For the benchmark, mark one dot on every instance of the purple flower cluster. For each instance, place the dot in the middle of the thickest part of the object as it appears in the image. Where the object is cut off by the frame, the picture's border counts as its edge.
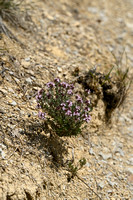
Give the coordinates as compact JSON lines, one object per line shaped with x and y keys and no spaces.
{"x":61,"y":86}
{"x":79,"y":112}
{"x":61,"y":107}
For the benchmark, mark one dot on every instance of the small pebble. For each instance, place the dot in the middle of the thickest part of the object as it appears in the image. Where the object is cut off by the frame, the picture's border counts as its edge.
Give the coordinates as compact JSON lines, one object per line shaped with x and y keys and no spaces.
{"x":59,"y":69}
{"x":2,"y":153}
{"x":13,"y":103}
{"x":88,"y":165}
{"x":29,"y":80}
{"x":101,"y":184}
{"x":119,"y":150}
{"x":11,"y":90}
{"x":91,"y":152}
{"x":105,"y":156}
{"x":129,"y":170}
{"x":111,"y":183}
{"x":131,"y":161}
{"x":93,"y":10}
{"x":27,"y":59}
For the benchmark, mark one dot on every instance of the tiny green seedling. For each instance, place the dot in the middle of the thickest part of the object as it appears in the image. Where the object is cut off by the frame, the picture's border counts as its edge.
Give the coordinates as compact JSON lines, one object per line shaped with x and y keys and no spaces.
{"x":73,"y":169}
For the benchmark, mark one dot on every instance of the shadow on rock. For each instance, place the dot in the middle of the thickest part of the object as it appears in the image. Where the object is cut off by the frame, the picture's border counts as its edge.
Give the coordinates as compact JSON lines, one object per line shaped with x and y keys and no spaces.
{"x":39,"y":136}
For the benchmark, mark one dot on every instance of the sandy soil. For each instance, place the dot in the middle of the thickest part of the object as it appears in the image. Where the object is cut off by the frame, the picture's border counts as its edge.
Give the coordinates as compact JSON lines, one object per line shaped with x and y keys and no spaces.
{"x":62,"y":36}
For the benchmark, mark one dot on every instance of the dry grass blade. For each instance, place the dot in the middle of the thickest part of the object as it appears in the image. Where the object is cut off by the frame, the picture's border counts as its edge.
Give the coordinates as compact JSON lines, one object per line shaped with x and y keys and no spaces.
{"x":88,"y":186}
{"x":122,"y":80}
{"x":6,"y":31}
{"x":10,"y":12}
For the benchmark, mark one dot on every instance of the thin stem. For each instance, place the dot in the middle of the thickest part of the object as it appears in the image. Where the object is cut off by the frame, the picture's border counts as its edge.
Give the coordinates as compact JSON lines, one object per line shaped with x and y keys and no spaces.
{"x":88,"y":186}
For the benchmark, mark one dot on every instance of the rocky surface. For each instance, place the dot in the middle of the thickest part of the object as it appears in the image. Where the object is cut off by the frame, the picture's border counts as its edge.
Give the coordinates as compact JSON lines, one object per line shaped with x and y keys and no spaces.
{"x":68,"y":34}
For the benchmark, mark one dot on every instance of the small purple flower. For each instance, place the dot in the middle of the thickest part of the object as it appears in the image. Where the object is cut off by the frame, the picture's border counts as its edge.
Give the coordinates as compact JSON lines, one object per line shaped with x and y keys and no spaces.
{"x":77,"y":108}
{"x":48,"y":95}
{"x":69,"y":103}
{"x":71,"y":86}
{"x":40,"y":91}
{"x":39,"y":96}
{"x":79,"y":99}
{"x":87,"y":102}
{"x":56,"y":80}
{"x":87,"y":109}
{"x":38,"y":106}
{"x":76,"y":114}
{"x":41,"y":115}
{"x":63,"y":104}
{"x":69,"y":113}
{"x":50,"y":85}
{"x":64,"y":84}
{"x":85,"y":115}
{"x":77,"y":96}
{"x":87,"y":118}
{"x":37,"y":99}
{"x":69,"y":92}
{"x":63,"y":108}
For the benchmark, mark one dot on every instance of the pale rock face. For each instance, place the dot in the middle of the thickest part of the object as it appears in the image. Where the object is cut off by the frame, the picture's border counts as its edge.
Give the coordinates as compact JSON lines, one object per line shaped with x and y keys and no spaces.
{"x":61,"y":36}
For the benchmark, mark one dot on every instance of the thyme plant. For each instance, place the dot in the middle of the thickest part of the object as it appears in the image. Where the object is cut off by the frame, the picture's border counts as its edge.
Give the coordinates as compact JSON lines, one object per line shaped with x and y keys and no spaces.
{"x":64,"y":111}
